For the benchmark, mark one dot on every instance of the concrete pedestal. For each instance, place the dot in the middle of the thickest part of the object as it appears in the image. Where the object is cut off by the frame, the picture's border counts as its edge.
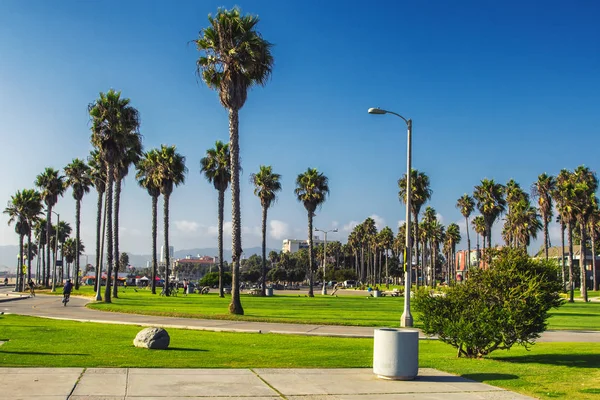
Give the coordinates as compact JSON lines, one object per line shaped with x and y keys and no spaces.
{"x":396,"y":354}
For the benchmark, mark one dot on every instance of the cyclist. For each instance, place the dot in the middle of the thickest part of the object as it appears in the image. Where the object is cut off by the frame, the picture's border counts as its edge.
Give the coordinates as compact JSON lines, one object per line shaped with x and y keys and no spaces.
{"x":31,"y":285}
{"x":67,"y":291}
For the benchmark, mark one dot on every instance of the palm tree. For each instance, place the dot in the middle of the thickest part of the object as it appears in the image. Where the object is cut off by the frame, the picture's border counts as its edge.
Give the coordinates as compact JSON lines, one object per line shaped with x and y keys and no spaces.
{"x":73,"y":249}
{"x":147,"y":168}
{"x":466,"y":205}
{"x":312,"y":188}
{"x":51,"y":185}
{"x":564,"y":195}
{"x":131,"y":155}
{"x":40,"y":234}
{"x":453,"y":236}
{"x":216,"y":168}
{"x":113,"y":118}
{"x":542,"y":190}
{"x":97,"y":174}
{"x":481,"y":230}
{"x":420,"y":193}
{"x":170,"y":172}
{"x":234,"y":58}
{"x":78,"y":178}
{"x":585,"y":186}
{"x":266,"y":185}
{"x":490,"y":203}
{"x":386,"y":240}
{"x":593,"y":229}
{"x":23,"y":209}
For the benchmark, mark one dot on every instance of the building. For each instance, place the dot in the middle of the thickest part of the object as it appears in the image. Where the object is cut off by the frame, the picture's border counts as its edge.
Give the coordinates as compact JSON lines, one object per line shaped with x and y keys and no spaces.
{"x":293,"y":245}
{"x":462,"y":265}
{"x":163,"y":255}
{"x":193,"y":268}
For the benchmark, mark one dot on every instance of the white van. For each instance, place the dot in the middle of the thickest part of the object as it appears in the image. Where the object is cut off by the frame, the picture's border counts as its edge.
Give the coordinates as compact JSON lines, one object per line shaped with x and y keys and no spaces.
{"x":349,"y":284}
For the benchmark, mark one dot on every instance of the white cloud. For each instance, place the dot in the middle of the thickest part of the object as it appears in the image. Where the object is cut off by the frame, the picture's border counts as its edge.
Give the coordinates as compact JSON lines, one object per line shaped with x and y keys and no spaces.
{"x":349,"y":226}
{"x":279,"y":229}
{"x":379,"y":221}
{"x":187,"y":226}
{"x":440,"y":218}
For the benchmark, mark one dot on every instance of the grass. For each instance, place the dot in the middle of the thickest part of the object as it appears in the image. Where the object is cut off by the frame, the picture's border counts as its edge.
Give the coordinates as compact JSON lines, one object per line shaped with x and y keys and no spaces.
{"x":294,"y":308}
{"x":549,"y":370}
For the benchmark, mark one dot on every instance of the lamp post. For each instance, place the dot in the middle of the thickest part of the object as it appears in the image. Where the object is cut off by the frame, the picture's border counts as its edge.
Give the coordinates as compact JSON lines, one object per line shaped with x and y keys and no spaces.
{"x":406,"y":320}
{"x":324,"y":291}
{"x":55,"y":251}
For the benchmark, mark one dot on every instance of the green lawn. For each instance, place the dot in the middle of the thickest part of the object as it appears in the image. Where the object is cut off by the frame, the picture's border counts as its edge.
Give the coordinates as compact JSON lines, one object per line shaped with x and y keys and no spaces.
{"x":294,"y":308}
{"x":549,"y":370}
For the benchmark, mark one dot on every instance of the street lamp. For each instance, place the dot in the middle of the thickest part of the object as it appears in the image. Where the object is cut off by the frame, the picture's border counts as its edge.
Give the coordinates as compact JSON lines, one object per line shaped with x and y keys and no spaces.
{"x":55,"y":251}
{"x":324,"y":291}
{"x":406,"y":320}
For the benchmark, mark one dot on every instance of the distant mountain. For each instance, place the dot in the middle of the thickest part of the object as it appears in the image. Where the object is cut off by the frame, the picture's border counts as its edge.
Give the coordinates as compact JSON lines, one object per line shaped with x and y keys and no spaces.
{"x":8,"y":255}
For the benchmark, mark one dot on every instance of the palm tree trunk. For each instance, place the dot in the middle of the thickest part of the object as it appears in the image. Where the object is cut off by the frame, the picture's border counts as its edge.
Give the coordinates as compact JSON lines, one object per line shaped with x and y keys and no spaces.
{"x":19,"y":274}
{"x":154,"y":260}
{"x":546,"y":236}
{"x":220,"y":240}
{"x":103,"y":236}
{"x":570,"y":240}
{"x":264,"y":252}
{"x":29,"y":255}
{"x":583,"y":272}
{"x":310,"y":254}
{"x":48,"y":227}
{"x":109,"y":232}
{"x":363,"y":272}
{"x":77,"y":223}
{"x":593,"y":235}
{"x":117,"y":198}
{"x":562,"y":251}
{"x":166,"y":197}
{"x":38,"y":261}
{"x":416,"y":241}
{"x":98,"y":238}
{"x":468,"y":245}
{"x":235,"y":307}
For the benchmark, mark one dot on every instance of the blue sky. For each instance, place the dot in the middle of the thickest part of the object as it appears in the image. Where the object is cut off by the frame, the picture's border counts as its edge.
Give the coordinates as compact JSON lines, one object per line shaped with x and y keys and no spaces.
{"x":495,"y":89}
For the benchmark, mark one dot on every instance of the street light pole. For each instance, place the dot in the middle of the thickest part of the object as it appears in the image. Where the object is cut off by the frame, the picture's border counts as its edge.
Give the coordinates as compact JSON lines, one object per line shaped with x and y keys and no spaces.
{"x":55,"y":251}
{"x":324,"y":290}
{"x":406,"y":320}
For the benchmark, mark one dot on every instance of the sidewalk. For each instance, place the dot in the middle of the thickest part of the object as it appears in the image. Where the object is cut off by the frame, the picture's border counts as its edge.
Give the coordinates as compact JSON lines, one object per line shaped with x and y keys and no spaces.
{"x":245,"y":384}
{"x":50,"y":307}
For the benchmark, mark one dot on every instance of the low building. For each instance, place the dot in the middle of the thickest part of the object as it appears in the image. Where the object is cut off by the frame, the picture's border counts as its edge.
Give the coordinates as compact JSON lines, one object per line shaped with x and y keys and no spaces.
{"x":193,"y":268}
{"x":293,"y":245}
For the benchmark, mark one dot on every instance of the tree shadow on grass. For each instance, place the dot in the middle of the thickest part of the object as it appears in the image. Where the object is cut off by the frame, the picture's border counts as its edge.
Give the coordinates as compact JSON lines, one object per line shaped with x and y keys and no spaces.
{"x":566,"y":360}
{"x":36,"y":353}
{"x":483,"y":377}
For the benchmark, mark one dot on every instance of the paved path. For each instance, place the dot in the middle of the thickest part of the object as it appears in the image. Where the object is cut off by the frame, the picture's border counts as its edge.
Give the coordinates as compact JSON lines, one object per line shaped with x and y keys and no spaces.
{"x":51,"y":307}
{"x":244,"y":384}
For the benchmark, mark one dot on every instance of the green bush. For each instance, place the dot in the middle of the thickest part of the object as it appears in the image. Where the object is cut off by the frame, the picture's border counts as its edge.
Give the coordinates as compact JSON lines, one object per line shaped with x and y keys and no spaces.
{"x":495,"y":308}
{"x":212,"y":279}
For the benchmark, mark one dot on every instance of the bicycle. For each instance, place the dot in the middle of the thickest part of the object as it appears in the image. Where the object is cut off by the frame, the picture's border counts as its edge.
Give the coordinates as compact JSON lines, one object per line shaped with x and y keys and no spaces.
{"x":65,"y":299}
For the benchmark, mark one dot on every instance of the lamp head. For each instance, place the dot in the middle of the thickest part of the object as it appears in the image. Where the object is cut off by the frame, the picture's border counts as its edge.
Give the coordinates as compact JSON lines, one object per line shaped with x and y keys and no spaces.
{"x":377,"y":111}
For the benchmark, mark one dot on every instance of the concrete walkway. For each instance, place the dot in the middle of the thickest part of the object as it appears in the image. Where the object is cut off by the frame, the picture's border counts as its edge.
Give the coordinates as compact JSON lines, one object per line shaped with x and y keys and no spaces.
{"x":245,"y":384}
{"x":51,"y":307}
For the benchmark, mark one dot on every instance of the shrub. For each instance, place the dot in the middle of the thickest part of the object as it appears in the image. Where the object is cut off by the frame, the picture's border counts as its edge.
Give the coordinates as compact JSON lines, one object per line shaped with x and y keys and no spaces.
{"x":495,"y":308}
{"x":212,"y":279}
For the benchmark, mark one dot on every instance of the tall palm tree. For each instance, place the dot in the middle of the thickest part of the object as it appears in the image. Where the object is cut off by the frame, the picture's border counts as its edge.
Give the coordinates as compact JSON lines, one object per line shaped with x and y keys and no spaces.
{"x":113,"y":118}
{"x":564,"y":195}
{"x":585,"y":186}
{"x":420,"y":193}
{"x":481,"y":230}
{"x":40,"y":235}
{"x":266,"y":185}
{"x":594,"y":229}
{"x":437,"y":236}
{"x":216,"y":167}
{"x":466,"y":205}
{"x":453,"y":237}
{"x":170,"y":173}
{"x":234,"y":57}
{"x":79,"y":179}
{"x":542,"y":191}
{"x":51,"y":185}
{"x":97,"y":174}
{"x":386,"y":239}
{"x":131,"y":155}
{"x":147,"y":169}
{"x":23,"y":209}
{"x":312,"y":188}
{"x":490,"y":203}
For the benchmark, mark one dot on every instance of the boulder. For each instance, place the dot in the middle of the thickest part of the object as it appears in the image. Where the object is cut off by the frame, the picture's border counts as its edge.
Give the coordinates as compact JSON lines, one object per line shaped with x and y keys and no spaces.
{"x":152,"y":338}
